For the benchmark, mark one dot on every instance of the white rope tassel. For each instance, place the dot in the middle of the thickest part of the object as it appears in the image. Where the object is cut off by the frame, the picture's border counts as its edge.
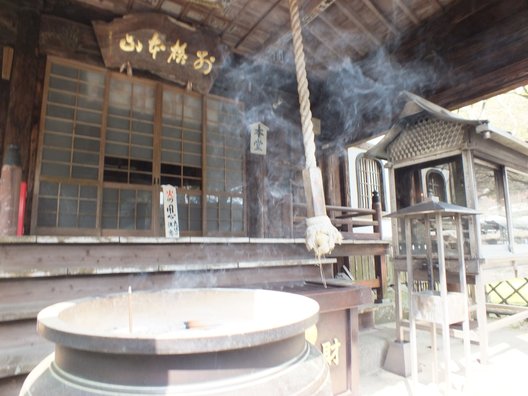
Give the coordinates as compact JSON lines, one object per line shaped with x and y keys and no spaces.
{"x":321,"y":235}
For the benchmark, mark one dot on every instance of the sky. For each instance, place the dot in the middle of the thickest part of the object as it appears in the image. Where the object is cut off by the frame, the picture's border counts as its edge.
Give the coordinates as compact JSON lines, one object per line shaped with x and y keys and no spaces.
{"x":508,"y":111}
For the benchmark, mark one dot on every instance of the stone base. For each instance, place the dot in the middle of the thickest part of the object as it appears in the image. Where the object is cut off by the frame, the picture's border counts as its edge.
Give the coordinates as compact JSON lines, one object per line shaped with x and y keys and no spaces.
{"x":398,"y":359}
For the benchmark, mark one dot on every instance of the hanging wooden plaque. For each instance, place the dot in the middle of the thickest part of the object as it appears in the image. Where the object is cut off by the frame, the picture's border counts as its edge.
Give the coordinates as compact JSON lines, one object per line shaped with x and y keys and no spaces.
{"x":162,"y":45}
{"x":170,"y":211}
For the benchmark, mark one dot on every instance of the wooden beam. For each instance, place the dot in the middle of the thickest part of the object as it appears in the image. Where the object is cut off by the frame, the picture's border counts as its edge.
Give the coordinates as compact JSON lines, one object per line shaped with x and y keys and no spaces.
{"x":372,"y":7}
{"x":458,"y":23}
{"x":478,"y":49}
{"x":508,"y":321}
{"x":487,"y":63}
{"x":483,"y":86}
{"x":371,"y":283}
{"x":309,"y":12}
{"x":330,"y":49}
{"x":233,"y":21}
{"x":407,"y":11}
{"x":313,"y":8}
{"x":68,"y":39}
{"x":257,"y":23}
{"x":332,"y":27}
{"x":361,"y":248}
{"x":358,"y":23}
{"x":437,"y":4}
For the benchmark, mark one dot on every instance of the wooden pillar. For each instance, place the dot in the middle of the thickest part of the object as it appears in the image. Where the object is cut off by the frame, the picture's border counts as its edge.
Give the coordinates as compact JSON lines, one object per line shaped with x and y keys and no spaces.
{"x":4,"y":101}
{"x":332,"y":182}
{"x":345,"y":178}
{"x":482,"y":318}
{"x":380,"y":262}
{"x":10,"y":179}
{"x":22,"y":86}
{"x":412,"y":309}
{"x":256,"y":195}
{"x":354,"y":351}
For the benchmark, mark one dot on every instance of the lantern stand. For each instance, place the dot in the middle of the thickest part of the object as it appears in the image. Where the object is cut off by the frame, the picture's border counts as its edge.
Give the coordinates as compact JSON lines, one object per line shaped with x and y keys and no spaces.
{"x":433,"y":307}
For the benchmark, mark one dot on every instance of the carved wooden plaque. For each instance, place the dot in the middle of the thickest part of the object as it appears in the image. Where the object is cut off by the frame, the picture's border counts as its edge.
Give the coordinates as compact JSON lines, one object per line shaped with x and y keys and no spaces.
{"x":162,"y":45}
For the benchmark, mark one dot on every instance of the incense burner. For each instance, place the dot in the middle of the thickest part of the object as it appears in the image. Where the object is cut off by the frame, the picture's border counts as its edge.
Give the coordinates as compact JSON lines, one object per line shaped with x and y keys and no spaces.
{"x":181,"y":341}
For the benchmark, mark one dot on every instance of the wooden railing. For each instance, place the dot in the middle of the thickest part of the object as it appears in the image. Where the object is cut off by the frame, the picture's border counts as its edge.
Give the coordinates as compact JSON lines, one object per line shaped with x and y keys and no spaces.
{"x":346,"y":219}
{"x":355,"y":224}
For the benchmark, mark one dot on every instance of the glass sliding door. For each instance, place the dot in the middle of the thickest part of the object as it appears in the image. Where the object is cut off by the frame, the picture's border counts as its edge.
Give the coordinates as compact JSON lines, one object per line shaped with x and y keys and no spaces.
{"x":181,"y":155}
{"x":518,"y":190}
{"x":128,"y":157}
{"x":225,"y":169}
{"x":490,"y":192}
{"x":108,"y":142}
{"x":67,"y":168}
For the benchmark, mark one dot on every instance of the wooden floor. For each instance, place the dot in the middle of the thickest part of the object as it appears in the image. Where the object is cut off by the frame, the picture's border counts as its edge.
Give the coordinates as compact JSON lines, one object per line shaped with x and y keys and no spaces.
{"x":38,"y":271}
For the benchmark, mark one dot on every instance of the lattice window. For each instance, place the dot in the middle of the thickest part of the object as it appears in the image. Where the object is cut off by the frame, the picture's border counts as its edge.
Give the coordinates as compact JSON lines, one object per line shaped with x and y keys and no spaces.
{"x":129,"y":132}
{"x":369,"y":179}
{"x":225,"y":167}
{"x":127,"y":209}
{"x":190,"y":210}
{"x":518,"y":192}
{"x":511,"y":292}
{"x":70,"y":148}
{"x":490,"y":193}
{"x":108,"y":142}
{"x":426,"y":136}
{"x":181,"y":140}
{"x":67,"y":205}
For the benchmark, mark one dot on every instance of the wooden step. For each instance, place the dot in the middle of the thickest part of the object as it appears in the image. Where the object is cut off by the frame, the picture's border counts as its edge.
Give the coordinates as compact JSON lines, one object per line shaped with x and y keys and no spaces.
{"x":11,"y":386}
{"x":21,"y":311}
{"x":21,"y":348}
{"x":21,"y":360}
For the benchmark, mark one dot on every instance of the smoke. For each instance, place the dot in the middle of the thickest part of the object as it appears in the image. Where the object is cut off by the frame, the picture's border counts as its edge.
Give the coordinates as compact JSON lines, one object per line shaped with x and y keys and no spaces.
{"x":360,"y":100}
{"x":269,"y":95}
{"x":353,"y":100}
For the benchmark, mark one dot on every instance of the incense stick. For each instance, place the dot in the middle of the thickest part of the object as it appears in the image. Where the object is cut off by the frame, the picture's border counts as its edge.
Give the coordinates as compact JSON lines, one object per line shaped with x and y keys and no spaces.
{"x":130,"y":309}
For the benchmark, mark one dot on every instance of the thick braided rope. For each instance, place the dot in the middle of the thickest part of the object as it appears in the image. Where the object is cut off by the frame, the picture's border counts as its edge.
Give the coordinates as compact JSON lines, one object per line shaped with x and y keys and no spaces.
{"x":302,"y":87}
{"x":321,"y":235}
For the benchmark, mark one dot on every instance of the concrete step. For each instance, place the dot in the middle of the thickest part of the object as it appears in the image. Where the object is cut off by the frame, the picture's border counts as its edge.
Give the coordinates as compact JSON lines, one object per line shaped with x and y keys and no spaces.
{"x":373,"y":346}
{"x":374,"y":340}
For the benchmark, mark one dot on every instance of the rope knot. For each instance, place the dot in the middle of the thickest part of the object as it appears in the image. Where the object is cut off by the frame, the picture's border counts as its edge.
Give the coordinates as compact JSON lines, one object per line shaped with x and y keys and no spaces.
{"x":321,"y":235}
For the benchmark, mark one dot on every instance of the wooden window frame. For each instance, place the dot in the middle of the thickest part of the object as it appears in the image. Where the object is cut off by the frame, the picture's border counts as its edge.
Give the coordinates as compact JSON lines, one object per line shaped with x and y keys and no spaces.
{"x":155,"y":186}
{"x":501,"y":184}
{"x":361,"y":175}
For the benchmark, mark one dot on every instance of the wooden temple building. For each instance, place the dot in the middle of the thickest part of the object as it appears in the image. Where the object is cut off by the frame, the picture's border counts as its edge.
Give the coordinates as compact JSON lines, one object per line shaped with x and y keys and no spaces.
{"x":113,"y":111}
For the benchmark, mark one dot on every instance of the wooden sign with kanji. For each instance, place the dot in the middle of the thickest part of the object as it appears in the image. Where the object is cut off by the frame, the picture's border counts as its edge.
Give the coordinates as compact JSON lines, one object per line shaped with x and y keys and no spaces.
{"x":162,"y":45}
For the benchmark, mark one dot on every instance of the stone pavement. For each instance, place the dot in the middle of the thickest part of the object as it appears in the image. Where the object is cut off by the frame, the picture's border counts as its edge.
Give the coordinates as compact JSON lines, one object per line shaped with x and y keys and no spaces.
{"x":505,"y":374}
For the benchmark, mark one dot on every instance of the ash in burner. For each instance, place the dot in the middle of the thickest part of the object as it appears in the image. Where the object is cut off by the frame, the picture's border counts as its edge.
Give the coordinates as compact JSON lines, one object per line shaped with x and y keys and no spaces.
{"x":196,"y":324}
{"x":174,"y":329}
